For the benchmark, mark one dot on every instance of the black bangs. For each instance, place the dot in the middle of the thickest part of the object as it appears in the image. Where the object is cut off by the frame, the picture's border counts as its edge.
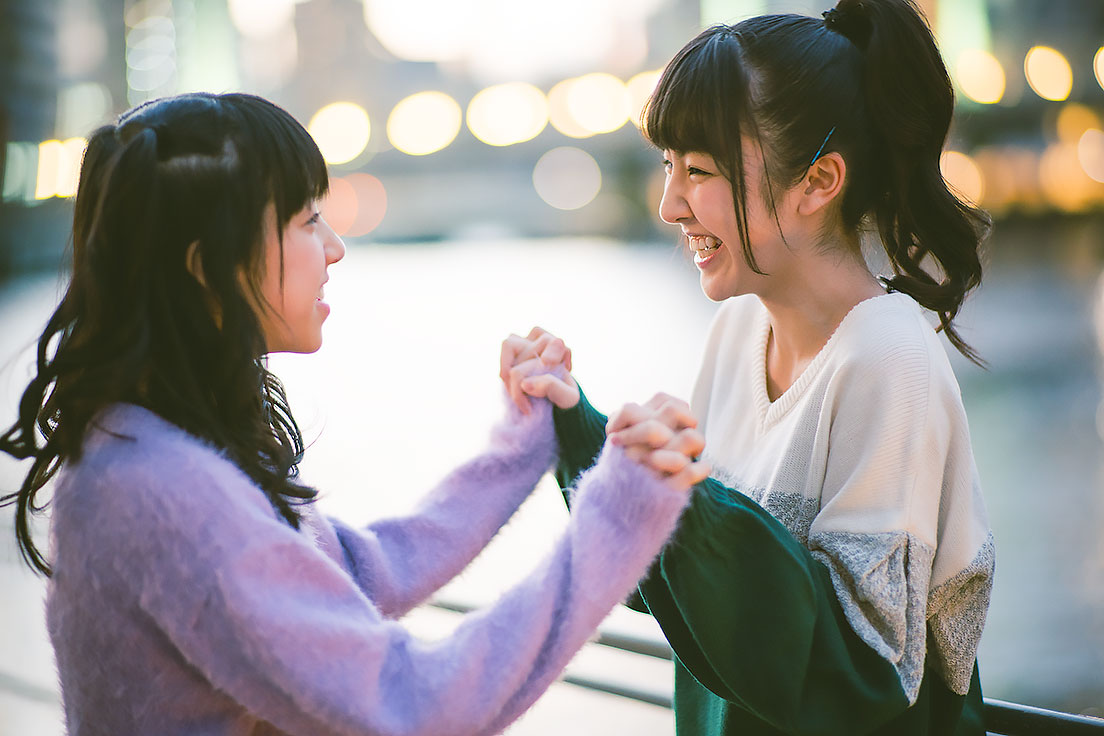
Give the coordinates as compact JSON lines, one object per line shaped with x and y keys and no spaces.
{"x":702,"y":99}
{"x":292,"y":166}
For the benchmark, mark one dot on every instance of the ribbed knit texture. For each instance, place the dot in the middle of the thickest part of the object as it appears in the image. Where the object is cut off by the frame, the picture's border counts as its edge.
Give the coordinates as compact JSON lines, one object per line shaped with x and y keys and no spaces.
{"x":181,"y":604}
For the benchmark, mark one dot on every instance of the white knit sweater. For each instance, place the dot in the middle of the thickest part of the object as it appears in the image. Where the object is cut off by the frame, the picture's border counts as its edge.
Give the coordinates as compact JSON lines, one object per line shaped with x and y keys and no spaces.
{"x":866,"y":458}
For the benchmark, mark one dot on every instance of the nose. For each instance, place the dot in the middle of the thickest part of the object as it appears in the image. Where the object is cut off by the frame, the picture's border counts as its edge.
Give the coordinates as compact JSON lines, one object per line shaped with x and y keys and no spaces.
{"x":334,"y":248}
{"x":673,"y":208}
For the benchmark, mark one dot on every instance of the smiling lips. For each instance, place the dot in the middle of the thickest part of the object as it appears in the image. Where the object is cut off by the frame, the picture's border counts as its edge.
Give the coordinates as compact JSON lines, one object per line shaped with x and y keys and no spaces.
{"x":704,"y":246}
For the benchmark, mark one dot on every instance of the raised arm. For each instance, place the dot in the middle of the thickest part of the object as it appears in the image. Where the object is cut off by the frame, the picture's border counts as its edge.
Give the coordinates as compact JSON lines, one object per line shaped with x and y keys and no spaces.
{"x":399,"y":562}
{"x":271,"y":621}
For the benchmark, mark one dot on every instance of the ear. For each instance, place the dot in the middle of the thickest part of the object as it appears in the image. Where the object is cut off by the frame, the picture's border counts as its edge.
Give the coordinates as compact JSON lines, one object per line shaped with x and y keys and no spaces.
{"x":823,"y":182}
{"x":194,"y":263}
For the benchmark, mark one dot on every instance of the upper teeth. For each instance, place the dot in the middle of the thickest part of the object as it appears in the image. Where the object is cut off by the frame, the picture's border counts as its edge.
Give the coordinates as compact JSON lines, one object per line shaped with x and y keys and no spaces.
{"x":703,"y":243}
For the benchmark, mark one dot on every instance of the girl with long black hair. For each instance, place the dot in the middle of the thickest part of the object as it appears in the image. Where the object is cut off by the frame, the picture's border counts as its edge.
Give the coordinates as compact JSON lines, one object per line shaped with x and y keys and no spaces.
{"x":194,"y":587}
{"x":833,"y":576}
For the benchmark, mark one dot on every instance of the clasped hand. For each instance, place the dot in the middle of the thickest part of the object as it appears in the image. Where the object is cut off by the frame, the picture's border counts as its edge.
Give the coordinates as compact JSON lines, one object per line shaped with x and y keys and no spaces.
{"x":661,"y":434}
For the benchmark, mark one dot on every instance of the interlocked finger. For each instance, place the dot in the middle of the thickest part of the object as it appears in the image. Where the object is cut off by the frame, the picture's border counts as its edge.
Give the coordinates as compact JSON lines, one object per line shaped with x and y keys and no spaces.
{"x":650,"y":433}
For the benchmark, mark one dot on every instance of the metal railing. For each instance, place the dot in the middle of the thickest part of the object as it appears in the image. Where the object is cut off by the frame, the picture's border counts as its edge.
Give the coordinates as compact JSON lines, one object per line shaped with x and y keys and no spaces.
{"x":1001,"y":718}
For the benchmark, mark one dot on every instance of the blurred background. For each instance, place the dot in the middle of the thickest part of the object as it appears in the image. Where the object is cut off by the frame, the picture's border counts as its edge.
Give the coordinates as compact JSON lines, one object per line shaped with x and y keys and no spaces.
{"x":488,"y":175}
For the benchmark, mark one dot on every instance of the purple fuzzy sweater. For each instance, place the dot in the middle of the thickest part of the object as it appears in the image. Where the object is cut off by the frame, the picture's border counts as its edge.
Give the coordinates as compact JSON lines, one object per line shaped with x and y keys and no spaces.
{"x":181,"y":604}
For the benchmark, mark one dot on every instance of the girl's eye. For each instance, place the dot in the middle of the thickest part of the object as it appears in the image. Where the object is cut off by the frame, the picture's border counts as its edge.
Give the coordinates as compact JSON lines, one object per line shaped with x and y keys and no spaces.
{"x":314,"y":218}
{"x":695,"y":171}
{"x":666,"y":165}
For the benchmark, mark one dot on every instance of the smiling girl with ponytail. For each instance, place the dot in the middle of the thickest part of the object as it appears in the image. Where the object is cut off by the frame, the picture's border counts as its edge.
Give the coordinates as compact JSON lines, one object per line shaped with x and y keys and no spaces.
{"x":833,"y":577}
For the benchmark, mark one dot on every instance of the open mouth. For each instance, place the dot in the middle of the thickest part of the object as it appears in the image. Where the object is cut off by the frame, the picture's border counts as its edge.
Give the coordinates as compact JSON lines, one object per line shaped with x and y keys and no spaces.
{"x":703,"y":245}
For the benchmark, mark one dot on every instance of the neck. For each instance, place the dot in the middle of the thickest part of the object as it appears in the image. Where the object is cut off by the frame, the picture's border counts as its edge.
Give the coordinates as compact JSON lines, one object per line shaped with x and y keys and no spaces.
{"x":806,"y":306}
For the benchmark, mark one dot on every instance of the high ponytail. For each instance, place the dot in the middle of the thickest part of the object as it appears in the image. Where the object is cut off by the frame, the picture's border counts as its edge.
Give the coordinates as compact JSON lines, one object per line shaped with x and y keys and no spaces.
{"x":865,"y":81}
{"x":910,"y":102}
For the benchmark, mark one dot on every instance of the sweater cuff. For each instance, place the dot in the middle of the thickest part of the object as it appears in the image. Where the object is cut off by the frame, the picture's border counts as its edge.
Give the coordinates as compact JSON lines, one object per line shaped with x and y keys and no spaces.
{"x":636,"y":501}
{"x":581,"y":432}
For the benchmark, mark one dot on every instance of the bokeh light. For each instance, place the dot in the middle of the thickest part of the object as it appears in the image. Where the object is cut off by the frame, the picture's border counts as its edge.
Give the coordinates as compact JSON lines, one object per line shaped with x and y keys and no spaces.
{"x":261,"y":18}
{"x":1073,"y":120}
{"x":506,"y":114}
{"x":371,"y":198}
{"x":1098,"y":67}
{"x":355,"y":204}
{"x":1048,"y":73}
{"x":20,"y":171}
{"x":567,"y":178}
{"x":422,"y":30}
{"x":640,"y":87}
{"x":963,"y":175}
{"x":598,"y":102}
{"x":59,"y":167}
{"x":339,"y":208}
{"x":1090,"y":153}
{"x":150,"y":57}
{"x":1065,"y":183}
{"x":980,"y":76}
{"x":559,"y":111}
{"x":423,"y":123}
{"x":341,"y":130}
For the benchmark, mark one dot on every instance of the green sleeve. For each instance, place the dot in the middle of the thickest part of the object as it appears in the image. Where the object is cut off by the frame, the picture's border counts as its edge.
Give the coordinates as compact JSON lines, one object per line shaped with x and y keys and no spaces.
{"x":748,"y":610}
{"x":753,"y":616}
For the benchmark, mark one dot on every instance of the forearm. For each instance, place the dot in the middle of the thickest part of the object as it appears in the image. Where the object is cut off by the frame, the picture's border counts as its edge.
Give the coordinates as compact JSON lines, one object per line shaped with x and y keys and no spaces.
{"x":399,"y":562}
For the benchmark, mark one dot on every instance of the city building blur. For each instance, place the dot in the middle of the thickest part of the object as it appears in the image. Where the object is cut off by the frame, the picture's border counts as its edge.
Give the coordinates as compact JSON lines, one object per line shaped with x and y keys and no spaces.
{"x":441,"y":117}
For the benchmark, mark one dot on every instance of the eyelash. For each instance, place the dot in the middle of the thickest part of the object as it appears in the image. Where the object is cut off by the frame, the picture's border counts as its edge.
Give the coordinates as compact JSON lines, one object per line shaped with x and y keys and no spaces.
{"x":691,"y":170}
{"x":314,"y":218}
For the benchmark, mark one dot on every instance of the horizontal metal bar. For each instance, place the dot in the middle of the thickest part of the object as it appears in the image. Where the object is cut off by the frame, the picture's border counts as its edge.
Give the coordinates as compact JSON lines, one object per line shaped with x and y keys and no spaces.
{"x":19,"y":687}
{"x":1014,"y":719}
{"x":626,"y":642}
{"x":1001,"y":718}
{"x":644,"y":696}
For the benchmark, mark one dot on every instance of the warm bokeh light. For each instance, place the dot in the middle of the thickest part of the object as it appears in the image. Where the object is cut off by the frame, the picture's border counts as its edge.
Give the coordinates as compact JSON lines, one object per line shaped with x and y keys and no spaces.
{"x":1098,"y":67}
{"x":559,"y":111}
{"x":339,"y":208}
{"x":980,"y":76}
{"x":1064,"y":181}
{"x":567,"y":178}
{"x":963,"y":175}
{"x":423,"y":123}
{"x":371,"y":197}
{"x":355,"y":204}
{"x":640,"y":89}
{"x":59,"y":167}
{"x":508,"y":113}
{"x":1073,"y":120}
{"x":1090,"y":153}
{"x":422,"y":30}
{"x":599,"y":102}
{"x":1048,"y":73}
{"x":341,"y":130}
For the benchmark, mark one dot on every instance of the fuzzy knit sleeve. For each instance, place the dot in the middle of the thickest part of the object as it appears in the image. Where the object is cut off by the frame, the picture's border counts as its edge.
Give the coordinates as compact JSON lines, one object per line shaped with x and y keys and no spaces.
{"x":399,"y":562}
{"x":263,"y":619}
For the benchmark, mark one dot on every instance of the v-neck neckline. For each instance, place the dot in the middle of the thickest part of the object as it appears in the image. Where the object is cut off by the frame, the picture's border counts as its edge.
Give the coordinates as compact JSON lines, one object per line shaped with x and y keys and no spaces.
{"x":770,"y":412}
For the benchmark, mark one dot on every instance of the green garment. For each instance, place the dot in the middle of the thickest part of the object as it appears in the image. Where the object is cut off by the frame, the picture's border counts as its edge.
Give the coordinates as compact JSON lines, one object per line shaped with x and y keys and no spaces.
{"x":762,"y":646}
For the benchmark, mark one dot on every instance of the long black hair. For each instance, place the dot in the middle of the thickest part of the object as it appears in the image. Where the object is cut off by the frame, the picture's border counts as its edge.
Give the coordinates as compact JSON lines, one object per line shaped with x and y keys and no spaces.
{"x":167,"y":261}
{"x":868,"y":82}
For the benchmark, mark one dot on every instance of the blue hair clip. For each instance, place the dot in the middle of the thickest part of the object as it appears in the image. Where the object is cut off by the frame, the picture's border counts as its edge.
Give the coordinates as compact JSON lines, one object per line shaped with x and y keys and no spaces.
{"x":822,"y":145}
